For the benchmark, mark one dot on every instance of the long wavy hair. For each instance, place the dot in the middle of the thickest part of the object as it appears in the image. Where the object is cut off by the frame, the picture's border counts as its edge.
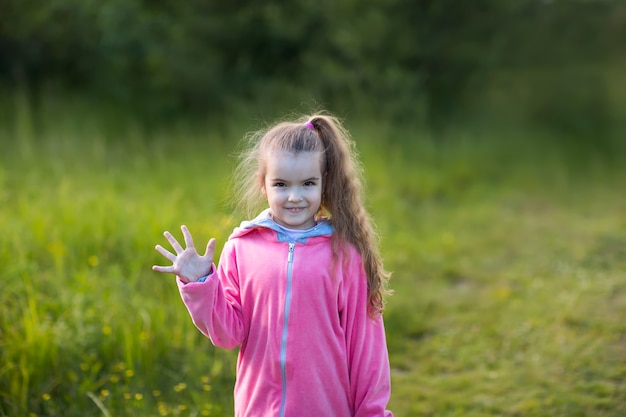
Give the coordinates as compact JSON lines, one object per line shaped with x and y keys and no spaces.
{"x":342,"y":192}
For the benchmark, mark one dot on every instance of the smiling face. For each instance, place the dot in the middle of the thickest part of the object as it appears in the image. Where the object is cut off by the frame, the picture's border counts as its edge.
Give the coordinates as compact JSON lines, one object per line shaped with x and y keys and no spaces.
{"x":293,"y":187}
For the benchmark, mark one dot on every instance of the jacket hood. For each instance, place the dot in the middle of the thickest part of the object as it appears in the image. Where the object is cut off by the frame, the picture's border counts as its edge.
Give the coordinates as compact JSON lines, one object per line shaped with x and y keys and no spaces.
{"x":264,"y":220}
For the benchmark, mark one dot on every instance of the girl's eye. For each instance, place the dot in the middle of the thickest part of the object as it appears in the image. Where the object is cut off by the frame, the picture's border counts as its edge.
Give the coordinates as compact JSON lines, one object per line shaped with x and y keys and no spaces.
{"x":279,"y":184}
{"x":309,"y":183}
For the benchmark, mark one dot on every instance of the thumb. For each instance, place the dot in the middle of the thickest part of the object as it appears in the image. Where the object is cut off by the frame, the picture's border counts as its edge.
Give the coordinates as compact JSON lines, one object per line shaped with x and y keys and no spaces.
{"x":210,"y":248}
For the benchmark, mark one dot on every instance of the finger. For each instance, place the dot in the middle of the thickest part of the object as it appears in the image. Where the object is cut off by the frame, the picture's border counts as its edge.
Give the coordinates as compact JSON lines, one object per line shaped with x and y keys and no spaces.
{"x":177,"y":248}
{"x":187,"y":235}
{"x":210,"y":247}
{"x":168,"y":255}
{"x":166,"y":269}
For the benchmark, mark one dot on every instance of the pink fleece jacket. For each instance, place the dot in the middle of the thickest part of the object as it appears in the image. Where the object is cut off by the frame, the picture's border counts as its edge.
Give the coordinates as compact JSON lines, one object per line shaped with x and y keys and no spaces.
{"x":307,"y":344}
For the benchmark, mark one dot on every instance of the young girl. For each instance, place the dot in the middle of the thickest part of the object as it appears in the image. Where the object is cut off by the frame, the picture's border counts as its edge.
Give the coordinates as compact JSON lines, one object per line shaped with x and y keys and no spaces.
{"x":300,"y":288}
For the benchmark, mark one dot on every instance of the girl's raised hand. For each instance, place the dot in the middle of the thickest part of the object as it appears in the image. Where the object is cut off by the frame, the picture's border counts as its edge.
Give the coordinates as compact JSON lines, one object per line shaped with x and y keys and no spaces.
{"x":187,"y":263}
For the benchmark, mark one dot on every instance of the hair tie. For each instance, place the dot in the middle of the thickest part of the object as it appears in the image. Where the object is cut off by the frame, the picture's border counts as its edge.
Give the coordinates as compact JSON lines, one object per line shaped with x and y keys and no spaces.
{"x":310,"y":125}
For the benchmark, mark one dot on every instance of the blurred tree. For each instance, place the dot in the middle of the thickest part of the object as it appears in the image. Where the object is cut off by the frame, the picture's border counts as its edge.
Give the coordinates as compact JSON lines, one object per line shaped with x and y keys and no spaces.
{"x":561,"y":44}
{"x":410,"y":60}
{"x":44,"y":40}
{"x":448,"y":46}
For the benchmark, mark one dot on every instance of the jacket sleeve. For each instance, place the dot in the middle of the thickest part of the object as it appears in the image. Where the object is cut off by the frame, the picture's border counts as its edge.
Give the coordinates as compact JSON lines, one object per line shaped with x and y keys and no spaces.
{"x":215,"y":304}
{"x":368,"y":359}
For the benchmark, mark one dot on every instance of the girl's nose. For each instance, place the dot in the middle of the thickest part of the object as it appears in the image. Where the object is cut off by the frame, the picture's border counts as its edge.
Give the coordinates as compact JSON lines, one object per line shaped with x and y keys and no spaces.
{"x":294,"y":195}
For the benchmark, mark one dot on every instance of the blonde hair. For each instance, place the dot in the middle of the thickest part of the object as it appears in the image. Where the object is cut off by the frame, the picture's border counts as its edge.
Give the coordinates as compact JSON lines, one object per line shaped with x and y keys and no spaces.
{"x":342,"y":191}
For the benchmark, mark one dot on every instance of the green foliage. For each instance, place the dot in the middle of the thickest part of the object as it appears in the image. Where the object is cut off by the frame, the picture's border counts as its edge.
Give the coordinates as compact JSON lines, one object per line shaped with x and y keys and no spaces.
{"x":206,"y":57}
{"x":508,"y":265}
{"x":83,"y":316}
{"x":581,"y":112}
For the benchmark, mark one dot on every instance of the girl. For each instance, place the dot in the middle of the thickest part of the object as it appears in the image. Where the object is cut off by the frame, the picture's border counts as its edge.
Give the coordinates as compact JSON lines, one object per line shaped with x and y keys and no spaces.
{"x":300,"y":288}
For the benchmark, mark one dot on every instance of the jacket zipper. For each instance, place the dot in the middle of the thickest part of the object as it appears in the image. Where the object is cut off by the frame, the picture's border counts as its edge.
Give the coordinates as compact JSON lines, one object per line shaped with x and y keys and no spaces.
{"x":283,"y":343}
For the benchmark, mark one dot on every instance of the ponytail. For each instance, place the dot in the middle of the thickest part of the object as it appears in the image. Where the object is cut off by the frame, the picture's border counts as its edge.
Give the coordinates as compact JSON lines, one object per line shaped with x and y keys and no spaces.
{"x":342,"y":199}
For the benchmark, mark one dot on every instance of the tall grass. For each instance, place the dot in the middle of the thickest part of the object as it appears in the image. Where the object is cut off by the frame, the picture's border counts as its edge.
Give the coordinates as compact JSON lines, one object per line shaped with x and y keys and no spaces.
{"x":82,"y":313}
{"x":508,"y":263}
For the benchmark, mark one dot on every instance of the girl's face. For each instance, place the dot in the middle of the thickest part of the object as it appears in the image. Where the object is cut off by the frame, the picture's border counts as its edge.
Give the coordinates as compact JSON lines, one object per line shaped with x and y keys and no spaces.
{"x":293,"y":187}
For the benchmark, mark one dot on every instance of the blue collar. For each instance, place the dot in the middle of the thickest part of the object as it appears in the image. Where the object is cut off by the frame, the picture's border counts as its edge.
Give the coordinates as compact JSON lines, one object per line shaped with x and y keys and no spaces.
{"x":264,"y":219}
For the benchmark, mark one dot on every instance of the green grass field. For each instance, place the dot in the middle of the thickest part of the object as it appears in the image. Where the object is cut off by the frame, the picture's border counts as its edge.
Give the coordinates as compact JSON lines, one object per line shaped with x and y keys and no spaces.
{"x":509,"y":260}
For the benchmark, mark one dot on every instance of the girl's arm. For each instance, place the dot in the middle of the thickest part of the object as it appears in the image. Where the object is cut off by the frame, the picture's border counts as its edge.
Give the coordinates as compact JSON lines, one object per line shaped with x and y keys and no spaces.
{"x":368,"y":359}
{"x":214,"y":304}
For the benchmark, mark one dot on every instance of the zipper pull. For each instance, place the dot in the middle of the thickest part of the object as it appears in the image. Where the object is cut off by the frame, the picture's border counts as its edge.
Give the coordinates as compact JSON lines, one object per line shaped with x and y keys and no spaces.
{"x":292,"y":246}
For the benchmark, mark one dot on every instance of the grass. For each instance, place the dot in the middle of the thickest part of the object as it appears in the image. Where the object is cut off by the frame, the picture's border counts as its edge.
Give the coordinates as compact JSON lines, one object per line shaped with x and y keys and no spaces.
{"x":508,"y":259}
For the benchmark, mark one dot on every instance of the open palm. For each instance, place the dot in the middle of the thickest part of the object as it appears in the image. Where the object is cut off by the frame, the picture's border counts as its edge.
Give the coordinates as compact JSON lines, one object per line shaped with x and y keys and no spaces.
{"x":187,"y":263}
